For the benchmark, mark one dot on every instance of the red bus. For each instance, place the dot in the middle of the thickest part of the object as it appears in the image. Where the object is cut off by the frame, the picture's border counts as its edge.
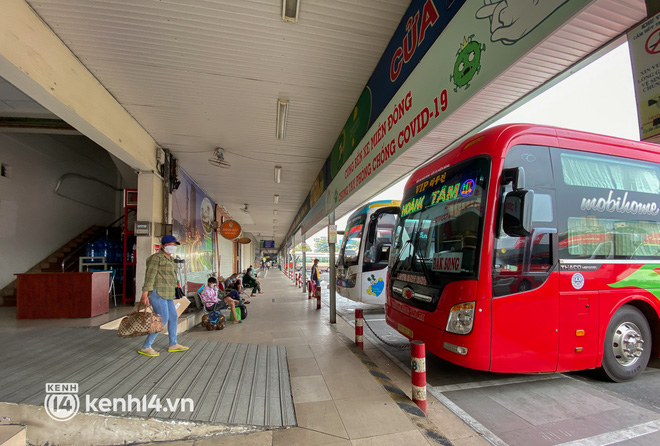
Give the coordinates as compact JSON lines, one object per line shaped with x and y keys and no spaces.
{"x":532,"y":249}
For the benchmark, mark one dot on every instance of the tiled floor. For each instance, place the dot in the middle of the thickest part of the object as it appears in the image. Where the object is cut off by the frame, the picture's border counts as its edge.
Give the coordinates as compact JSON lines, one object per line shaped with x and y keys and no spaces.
{"x":336,"y":399}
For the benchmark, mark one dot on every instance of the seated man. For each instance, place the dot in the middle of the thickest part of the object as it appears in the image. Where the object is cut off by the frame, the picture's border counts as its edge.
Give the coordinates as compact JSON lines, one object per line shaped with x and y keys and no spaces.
{"x":249,"y":281}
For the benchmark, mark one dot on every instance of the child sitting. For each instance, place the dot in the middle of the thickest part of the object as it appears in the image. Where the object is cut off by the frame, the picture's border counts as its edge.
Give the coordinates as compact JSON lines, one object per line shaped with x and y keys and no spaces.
{"x":211,"y":298}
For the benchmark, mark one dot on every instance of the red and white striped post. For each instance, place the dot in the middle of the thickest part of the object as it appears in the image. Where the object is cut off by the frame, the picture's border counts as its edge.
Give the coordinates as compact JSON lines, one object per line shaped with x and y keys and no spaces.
{"x":418,"y":369}
{"x":317,"y":293}
{"x":359,"y":329}
{"x":299,"y":280}
{"x":310,"y":289}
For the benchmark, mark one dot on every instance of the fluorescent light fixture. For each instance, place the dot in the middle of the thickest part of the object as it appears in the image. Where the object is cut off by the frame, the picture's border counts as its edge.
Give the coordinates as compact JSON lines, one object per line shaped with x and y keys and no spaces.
{"x":274,"y":220}
{"x":282,"y":111}
{"x":275,"y":212}
{"x":278,"y":174}
{"x":276,"y":199}
{"x":290,"y":9}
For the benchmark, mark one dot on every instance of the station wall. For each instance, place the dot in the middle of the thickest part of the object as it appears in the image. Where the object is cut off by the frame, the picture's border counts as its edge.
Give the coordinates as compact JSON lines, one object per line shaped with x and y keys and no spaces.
{"x":34,"y":220}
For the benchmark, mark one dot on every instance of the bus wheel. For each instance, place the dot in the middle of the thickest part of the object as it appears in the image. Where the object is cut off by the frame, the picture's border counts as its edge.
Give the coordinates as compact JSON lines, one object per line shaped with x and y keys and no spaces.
{"x":627,"y":345}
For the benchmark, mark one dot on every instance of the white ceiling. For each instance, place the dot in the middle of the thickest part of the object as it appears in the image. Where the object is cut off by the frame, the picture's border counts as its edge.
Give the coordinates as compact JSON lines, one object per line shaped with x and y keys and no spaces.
{"x":198,"y":74}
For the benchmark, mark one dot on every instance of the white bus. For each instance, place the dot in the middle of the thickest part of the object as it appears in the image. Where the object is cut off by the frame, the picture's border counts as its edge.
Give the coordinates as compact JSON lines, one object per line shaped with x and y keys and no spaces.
{"x":365,"y":251}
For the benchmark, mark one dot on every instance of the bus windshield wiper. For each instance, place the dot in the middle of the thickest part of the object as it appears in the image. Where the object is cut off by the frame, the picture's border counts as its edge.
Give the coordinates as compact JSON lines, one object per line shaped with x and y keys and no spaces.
{"x":425,"y":270}
{"x":398,"y":256}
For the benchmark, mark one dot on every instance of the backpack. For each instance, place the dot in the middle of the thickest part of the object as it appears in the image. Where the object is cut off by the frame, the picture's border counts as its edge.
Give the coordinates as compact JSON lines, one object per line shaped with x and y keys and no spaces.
{"x":215,"y":321}
{"x":243,"y":309}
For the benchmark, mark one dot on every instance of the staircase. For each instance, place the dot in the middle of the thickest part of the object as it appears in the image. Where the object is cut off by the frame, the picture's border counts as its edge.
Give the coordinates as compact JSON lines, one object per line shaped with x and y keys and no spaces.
{"x":52,"y":263}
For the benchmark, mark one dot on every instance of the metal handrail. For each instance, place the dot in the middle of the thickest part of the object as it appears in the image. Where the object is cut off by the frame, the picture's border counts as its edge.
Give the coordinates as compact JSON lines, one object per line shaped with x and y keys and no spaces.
{"x":84,"y":177}
{"x":99,"y":233}
{"x":76,"y":252}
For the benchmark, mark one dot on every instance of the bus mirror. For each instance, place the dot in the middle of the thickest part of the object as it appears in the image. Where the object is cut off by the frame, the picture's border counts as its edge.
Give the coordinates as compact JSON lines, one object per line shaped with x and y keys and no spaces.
{"x":517,"y":215}
{"x":515,"y":175}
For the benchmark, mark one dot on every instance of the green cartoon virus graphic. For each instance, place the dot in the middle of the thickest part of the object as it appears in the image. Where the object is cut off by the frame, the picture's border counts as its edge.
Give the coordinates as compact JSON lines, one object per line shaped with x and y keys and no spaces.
{"x":468,"y":63}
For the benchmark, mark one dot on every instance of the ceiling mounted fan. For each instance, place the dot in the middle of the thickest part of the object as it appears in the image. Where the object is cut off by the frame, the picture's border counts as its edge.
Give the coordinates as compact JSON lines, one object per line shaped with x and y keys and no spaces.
{"x":218,"y":158}
{"x":245,"y":208}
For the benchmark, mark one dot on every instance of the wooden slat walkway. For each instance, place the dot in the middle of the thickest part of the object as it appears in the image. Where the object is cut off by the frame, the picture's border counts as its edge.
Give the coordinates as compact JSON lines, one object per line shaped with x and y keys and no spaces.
{"x":242,"y":384}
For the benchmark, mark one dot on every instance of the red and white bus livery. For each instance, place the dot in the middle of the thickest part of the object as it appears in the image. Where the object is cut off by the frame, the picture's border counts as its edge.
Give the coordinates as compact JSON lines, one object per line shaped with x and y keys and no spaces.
{"x":532,"y":249}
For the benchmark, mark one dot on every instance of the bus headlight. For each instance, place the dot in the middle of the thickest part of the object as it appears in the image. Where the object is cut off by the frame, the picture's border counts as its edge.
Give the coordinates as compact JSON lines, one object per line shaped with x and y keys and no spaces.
{"x":352,"y":279}
{"x":461,"y":318}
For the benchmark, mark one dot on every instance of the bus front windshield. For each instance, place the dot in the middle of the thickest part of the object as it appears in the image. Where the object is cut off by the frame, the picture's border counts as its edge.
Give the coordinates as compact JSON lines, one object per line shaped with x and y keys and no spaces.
{"x":349,"y":253}
{"x":439,"y":231}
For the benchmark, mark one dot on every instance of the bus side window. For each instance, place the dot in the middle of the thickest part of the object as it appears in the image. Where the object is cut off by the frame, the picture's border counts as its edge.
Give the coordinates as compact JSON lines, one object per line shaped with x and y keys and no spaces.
{"x":541,"y":257}
{"x":524,"y":263}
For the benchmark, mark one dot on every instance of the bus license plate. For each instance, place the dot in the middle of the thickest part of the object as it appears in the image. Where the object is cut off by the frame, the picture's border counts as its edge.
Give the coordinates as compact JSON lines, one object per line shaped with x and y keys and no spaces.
{"x":405,"y":330}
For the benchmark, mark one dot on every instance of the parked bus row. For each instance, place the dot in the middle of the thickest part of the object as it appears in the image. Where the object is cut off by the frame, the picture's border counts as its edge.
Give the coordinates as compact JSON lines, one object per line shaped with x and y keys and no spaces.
{"x":532,"y":249}
{"x":523,"y":249}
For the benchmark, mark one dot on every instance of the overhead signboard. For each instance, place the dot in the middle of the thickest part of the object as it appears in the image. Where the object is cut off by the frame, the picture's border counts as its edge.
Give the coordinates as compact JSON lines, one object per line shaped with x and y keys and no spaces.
{"x":418,"y":30}
{"x":644,"y":45}
{"x":230,"y":229}
{"x":479,"y":44}
{"x":268,"y":244}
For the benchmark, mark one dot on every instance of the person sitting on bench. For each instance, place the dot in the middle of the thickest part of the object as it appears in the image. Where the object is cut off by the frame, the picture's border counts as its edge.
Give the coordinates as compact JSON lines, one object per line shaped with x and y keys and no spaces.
{"x":232,"y":282}
{"x":209,"y":296}
{"x":249,"y":281}
{"x":210,"y":299}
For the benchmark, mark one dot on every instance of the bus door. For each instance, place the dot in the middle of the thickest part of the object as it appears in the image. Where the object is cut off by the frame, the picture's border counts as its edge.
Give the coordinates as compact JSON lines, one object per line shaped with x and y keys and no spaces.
{"x":525,"y":304}
{"x":525,"y":292}
{"x":378,"y":244}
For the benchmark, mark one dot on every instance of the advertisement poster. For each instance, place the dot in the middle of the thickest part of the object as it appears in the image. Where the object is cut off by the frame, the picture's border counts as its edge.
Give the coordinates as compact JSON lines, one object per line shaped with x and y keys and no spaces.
{"x":424,"y":21}
{"x":644,"y":44}
{"x":474,"y":49}
{"x":192,"y":225}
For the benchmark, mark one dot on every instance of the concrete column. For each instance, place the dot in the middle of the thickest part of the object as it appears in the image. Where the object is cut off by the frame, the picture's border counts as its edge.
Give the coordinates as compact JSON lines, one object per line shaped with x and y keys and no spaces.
{"x":304,"y":266}
{"x":333,"y":275}
{"x":293,"y":244}
{"x":150,"y":208}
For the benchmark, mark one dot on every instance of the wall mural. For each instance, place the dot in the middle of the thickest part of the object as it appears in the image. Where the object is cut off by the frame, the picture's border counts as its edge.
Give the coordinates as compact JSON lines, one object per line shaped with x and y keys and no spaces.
{"x":192,"y":225}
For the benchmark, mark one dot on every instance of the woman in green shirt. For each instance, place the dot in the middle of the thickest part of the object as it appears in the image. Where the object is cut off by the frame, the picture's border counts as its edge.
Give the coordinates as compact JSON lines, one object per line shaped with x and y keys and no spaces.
{"x":158,"y":290}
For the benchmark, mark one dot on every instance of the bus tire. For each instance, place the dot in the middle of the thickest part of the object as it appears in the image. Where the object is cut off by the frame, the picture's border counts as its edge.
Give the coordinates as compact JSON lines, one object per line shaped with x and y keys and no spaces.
{"x":627,"y":346}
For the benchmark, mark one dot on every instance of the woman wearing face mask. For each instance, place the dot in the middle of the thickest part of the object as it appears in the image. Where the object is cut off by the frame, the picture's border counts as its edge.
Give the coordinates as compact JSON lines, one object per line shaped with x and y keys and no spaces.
{"x":158,"y":290}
